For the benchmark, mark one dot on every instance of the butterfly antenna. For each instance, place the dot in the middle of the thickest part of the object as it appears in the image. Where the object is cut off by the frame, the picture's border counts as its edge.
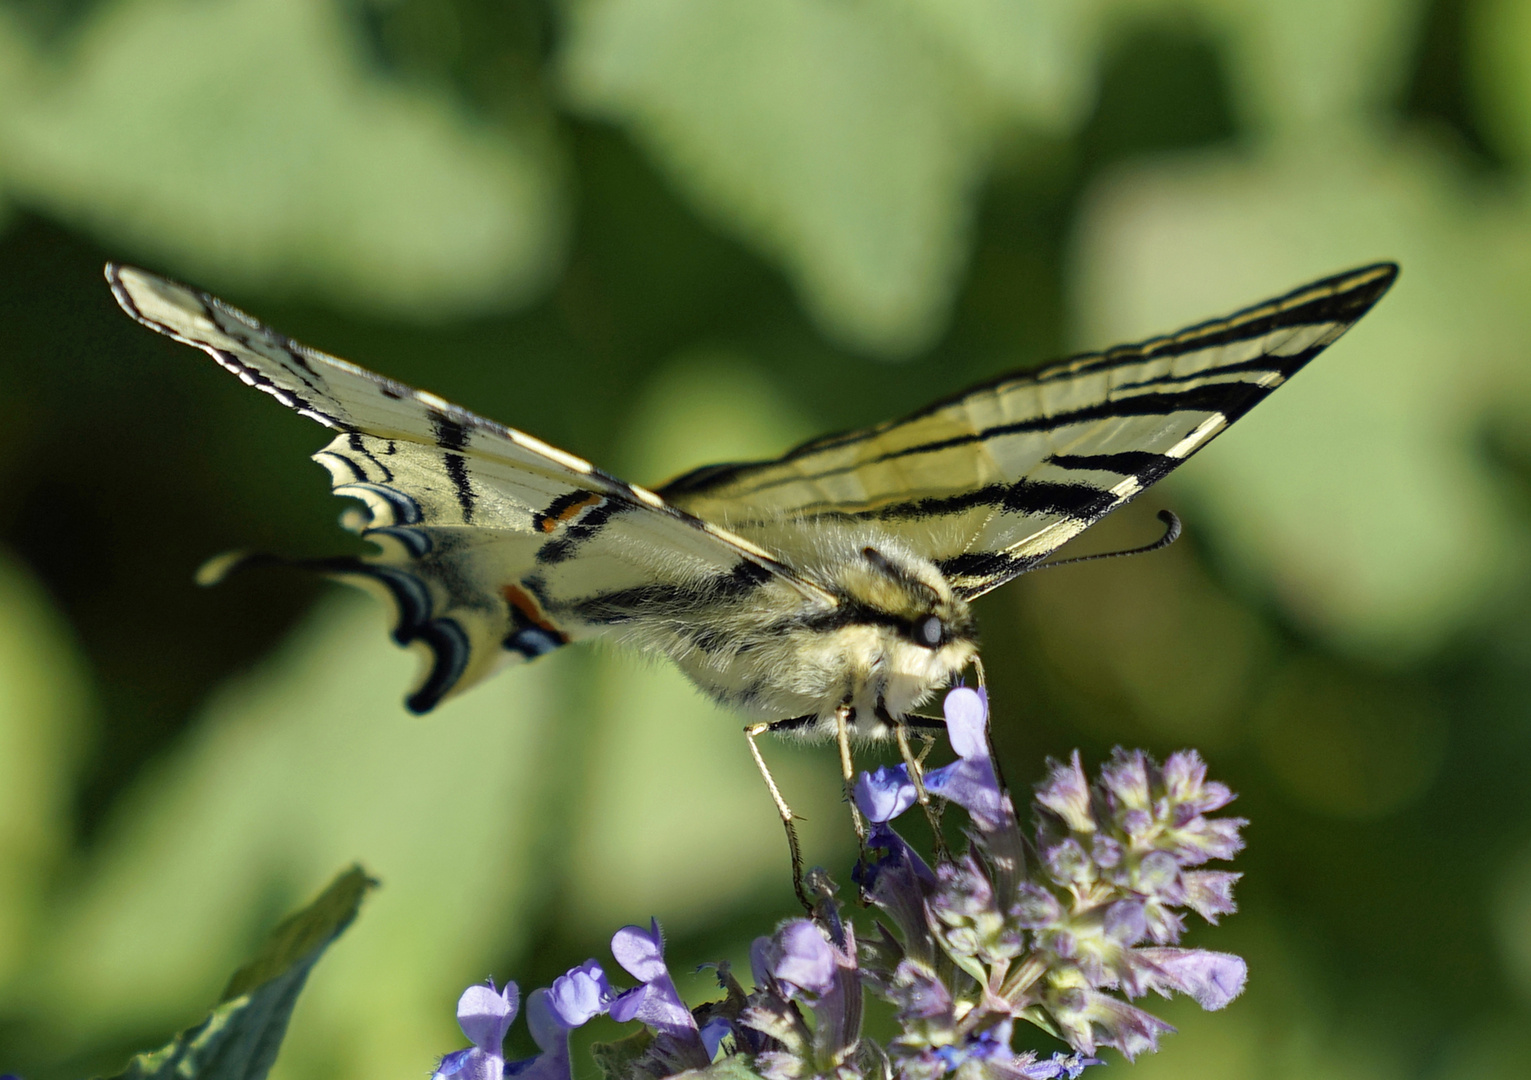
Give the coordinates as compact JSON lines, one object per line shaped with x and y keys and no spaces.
{"x":1172,"y":531}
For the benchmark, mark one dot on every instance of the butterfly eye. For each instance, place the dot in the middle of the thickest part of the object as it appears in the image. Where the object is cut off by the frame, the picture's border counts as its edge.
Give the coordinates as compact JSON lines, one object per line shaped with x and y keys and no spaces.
{"x":929,"y":631}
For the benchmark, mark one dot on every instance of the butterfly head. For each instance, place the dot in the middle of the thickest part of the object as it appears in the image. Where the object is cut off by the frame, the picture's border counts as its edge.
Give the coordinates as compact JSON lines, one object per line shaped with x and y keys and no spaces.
{"x":904,"y":622}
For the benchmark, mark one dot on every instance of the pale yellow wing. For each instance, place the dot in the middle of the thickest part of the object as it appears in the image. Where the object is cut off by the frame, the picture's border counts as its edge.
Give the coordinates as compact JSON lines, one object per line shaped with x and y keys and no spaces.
{"x":992,"y":480}
{"x":493,"y":546}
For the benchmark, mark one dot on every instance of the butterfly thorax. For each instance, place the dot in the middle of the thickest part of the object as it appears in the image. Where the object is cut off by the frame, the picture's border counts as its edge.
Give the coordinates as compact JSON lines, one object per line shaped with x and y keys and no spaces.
{"x":895,"y":636}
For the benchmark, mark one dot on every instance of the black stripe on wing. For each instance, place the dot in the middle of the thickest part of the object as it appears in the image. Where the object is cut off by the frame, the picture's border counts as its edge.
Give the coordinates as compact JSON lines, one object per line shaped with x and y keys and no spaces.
{"x":1369,"y":283}
{"x":450,"y":648}
{"x":669,"y":599}
{"x":1023,"y":497}
{"x":1232,"y":398}
{"x":972,"y":571}
{"x":586,"y":527}
{"x":452,"y":438}
{"x":239,"y":326}
{"x":448,"y":643}
{"x":1142,"y":464}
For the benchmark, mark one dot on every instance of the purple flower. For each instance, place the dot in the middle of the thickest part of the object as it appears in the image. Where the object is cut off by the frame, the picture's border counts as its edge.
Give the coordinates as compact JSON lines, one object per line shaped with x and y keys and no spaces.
{"x":1125,"y":780}
{"x":967,"y":722}
{"x":580,"y":995}
{"x":967,"y":916}
{"x":990,"y":1050}
{"x":970,"y":781}
{"x":1035,"y":907}
{"x":799,"y":954}
{"x":1209,"y":893}
{"x":1089,"y":1019}
{"x":885,"y":794}
{"x":1165,"y":808}
{"x":1212,"y":978}
{"x":1069,"y":864}
{"x":990,"y":1044}
{"x":1067,"y":794}
{"x":713,"y":1033}
{"x":919,"y":994}
{"x":801,"y":962}
{"x":656,"y":1002}
{"x":1059,"y":1067}
{"x":1062,"y":930}
{"x":899,"y":883}
{"x":1185,"y":784}
{"x":485,"y":1015}
{"x":551,"y":1034}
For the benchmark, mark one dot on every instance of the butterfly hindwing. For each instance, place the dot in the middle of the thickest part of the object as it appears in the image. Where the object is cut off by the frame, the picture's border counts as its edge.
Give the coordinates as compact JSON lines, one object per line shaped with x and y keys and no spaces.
{"x":493,"y":546}
{"x":991,"y":481}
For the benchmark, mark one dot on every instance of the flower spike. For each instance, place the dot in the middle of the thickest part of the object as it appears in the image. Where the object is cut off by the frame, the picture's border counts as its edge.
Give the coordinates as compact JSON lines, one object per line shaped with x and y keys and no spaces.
{"x":1064,"y":927}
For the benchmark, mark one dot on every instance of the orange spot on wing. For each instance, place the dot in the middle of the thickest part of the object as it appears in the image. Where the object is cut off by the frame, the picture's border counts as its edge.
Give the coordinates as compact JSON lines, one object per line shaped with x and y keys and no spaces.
{"x":523,"y":601}
{"x":548,"y":524}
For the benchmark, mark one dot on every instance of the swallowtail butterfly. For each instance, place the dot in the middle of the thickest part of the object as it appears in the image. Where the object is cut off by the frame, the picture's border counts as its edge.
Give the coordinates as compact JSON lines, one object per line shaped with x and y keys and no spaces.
{"x":824,"y":591}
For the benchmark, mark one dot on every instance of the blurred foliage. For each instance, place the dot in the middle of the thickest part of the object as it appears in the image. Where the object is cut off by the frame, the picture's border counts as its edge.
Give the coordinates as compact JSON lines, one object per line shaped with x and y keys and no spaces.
{"x":663,"y":232}
{"x":240,"y":1038}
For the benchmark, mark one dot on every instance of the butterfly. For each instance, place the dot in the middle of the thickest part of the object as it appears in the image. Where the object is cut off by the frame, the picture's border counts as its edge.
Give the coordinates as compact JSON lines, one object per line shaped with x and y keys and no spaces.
{"x":824,"y":593}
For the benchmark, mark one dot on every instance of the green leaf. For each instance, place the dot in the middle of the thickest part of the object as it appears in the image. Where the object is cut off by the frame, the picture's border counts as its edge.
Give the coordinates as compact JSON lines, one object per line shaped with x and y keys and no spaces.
{"x":307,"y":763}
{"x":619,"y":1060}
{"x":615,"y":1059}
{"x":734,"y":1067}
{"x":241,"y":1037}
{"x":45,"y":724}
{"x":845,"y":142}
{"x":250,"y":144}
{"x":1499,"y":43}
{"x":837,"y":139}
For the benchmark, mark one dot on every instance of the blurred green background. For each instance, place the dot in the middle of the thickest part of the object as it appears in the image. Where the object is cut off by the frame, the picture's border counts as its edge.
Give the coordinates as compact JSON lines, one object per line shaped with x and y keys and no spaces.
{"x":664,"y":232}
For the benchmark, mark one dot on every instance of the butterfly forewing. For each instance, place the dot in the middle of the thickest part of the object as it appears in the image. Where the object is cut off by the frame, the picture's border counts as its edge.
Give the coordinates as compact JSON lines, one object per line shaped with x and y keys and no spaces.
{"x":993,"y":480}
{"x":493,"y":546}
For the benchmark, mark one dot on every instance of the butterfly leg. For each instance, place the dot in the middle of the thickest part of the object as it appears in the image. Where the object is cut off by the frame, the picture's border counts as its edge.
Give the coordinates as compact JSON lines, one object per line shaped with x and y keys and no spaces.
{"x":752,"y":732}
{"x":843,"y":717}
{"x":915,"y":763}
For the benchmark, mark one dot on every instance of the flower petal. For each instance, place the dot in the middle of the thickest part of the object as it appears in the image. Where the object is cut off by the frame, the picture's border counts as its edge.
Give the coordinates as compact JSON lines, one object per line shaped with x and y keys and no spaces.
{"x":1059,"y":1067}
{"x":640,"y":952}
{"x":551,"y":1036}
{"x":885,"y":794}
{"x":485,"y":1014}
{"x":579,"y":995}
{"x":713,"y":1033}
{"x":449,"y":1066}
{"x":470,"y":1064}
{"x":967,"y":722}
{"x":1209,"y":893}
{"x":1090,"y":1018}
{"x":1067,"y":794}
{"x":1212,"y":978}
{"x":803,"y":958}
{"x":1125,"y":778}
{"x":972,"y":785}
